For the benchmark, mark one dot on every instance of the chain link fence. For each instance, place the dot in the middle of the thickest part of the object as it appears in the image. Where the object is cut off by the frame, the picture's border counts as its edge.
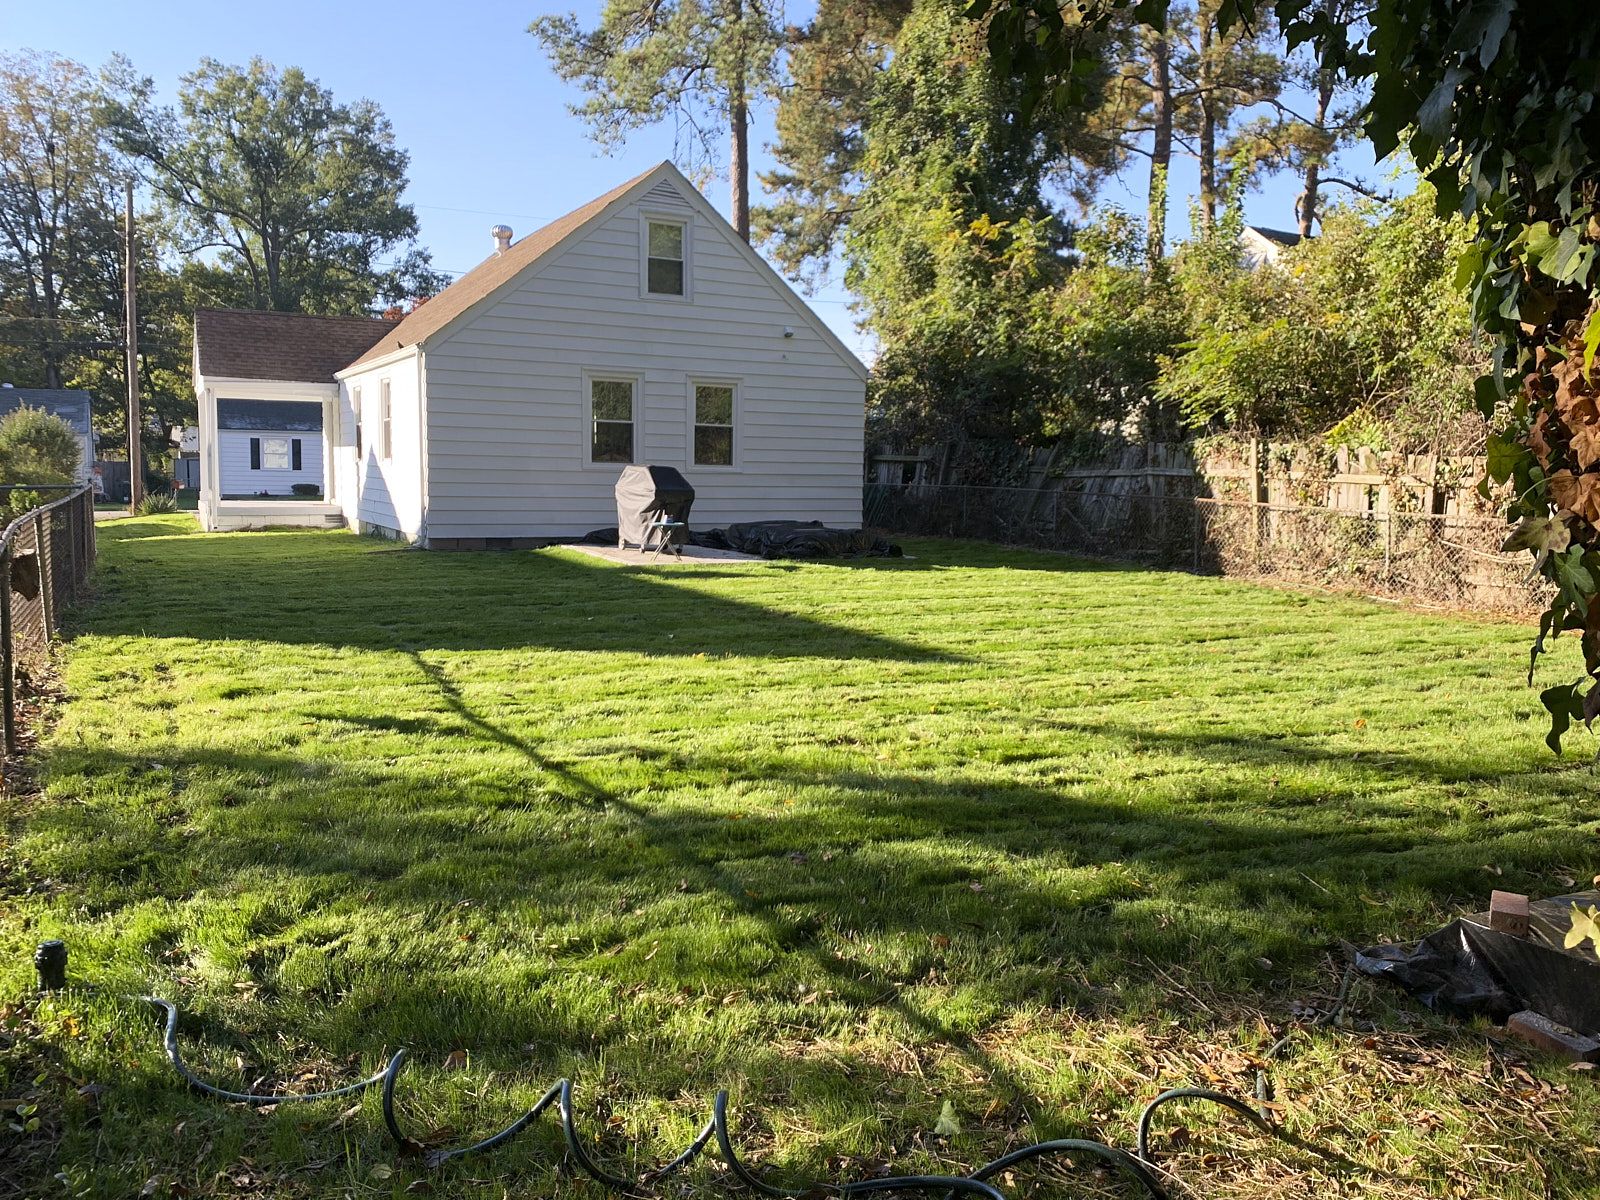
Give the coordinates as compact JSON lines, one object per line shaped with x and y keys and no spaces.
{"x":1448,"y":560}
{"x":45,"y":557}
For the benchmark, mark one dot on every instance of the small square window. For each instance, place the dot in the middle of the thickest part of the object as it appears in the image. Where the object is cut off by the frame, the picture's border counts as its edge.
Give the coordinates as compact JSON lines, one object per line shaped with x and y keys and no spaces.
{"x":274,"y":454}
{"x":664,"y":259}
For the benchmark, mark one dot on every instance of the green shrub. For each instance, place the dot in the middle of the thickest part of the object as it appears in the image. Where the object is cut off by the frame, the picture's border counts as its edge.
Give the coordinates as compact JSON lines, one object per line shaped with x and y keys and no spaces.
{"x":38,"y":447}
{"x":158,"y":503}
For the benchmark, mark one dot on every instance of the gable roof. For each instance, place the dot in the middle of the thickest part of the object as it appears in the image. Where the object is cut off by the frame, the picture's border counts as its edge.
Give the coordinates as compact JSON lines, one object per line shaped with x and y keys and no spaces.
{"x":1281,"y":236}
{"x":71,"y":406}
{"x":250,"y":344}
{"x":500,"y":269}
{"x":489,"y":275}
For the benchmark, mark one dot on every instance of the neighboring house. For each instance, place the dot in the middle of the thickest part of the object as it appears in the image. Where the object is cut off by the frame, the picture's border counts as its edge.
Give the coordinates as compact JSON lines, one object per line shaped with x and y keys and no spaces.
{"x":71,"y":406}
{"x":1259,"y":246}
{"x":639,"y":328}
{"x":185,"y":441}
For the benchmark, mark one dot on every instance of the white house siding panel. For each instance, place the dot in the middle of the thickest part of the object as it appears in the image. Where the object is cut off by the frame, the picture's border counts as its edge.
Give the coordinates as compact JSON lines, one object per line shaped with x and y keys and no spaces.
{"x":507,"y":437}
{"x":239,"y":479}
{"x":388,"y":491}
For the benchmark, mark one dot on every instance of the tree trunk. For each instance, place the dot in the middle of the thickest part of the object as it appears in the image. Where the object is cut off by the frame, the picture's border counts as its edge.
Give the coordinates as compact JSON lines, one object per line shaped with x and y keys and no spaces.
{"x":1161,"y":145}
{"x":1305,"y":204}
{"x":739,"y":156}
{"x":1208,"y":121}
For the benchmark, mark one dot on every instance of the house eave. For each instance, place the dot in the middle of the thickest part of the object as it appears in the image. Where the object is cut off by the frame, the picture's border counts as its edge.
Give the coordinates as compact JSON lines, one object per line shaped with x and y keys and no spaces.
{"x":373,"y":364}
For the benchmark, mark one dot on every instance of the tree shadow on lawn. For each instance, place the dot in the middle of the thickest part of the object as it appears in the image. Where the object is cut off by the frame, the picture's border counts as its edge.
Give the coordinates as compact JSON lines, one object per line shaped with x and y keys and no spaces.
{"x":332,"y":589}
{"x":608,"y":929}
{"x":1017,"y":893}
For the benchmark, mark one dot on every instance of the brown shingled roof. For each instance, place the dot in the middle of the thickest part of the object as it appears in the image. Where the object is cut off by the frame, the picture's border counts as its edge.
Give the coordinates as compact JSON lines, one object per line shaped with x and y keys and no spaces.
{"x":487,"y":276}
{"x":248,"y":344}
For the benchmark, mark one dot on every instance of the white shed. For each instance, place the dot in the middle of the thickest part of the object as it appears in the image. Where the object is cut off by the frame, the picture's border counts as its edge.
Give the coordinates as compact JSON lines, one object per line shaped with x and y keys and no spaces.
{"x":638,"y":329}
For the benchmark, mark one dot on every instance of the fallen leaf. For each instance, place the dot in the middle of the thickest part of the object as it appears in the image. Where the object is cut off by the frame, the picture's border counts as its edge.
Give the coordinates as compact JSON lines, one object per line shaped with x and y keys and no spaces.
{"x":947,"y":1125}
{"x":456,"y":1060}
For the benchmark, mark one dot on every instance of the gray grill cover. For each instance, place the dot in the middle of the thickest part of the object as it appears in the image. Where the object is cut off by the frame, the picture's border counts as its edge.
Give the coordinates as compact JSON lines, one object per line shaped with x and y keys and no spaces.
{"x":646,"y":494}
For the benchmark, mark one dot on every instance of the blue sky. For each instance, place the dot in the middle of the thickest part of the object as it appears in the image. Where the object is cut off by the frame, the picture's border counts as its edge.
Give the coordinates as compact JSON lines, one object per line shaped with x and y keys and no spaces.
{"x":471,"y":97}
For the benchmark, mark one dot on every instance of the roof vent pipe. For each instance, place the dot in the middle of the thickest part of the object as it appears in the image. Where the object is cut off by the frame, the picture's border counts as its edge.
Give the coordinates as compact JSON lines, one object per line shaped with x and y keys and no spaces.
{"x":502,"y":238}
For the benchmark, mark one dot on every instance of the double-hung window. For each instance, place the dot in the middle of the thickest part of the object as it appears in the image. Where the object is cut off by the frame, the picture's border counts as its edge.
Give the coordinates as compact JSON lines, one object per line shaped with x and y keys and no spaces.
{"x":272,"y":453}
{"x":713,"y":424}
{"x":385,"y":422}
{"x":666,"y":258}
{"x":355,"y":412}
{"x":611,"y":420}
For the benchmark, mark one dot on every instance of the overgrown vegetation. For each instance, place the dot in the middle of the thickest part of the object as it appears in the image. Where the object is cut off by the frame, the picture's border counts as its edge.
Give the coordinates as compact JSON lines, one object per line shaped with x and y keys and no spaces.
{"x":855,"y":841}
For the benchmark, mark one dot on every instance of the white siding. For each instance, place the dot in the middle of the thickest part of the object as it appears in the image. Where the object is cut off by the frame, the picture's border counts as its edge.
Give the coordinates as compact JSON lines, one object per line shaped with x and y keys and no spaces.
{"x":233,"y":454}
{"x":507,"y":437}
{"x":387,"y":492}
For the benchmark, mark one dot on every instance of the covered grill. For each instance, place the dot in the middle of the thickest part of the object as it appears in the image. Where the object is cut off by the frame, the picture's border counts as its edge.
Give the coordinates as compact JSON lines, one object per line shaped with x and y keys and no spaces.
{"x":648,"y":496}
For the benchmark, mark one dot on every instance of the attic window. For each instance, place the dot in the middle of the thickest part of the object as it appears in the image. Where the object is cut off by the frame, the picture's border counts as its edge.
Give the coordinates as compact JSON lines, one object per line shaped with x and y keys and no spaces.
{"x":664,"y":258}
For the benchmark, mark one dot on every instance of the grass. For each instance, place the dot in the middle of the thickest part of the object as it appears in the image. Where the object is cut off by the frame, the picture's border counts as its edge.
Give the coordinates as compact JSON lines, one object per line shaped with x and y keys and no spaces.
{"x":1031,"y":836}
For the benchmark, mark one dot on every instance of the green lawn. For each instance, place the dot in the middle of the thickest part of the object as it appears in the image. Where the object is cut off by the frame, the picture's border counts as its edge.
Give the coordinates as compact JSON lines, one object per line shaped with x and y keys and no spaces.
{"x":1031,"y":836}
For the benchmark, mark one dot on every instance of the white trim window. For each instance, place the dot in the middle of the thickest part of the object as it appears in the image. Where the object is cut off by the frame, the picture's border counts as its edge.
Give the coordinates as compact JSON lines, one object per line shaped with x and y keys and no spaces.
{"x":613,"y":419}
{"x":355,"y":413}
{"x":276,"y":454}
{"x":715,"y":415}
{"x":666,"y":257}
{"x":385,"y":422}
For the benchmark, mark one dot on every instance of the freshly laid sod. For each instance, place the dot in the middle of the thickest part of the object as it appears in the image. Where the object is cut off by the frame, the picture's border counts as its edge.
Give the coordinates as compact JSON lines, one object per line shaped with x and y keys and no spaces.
{"x":1029,"y":837}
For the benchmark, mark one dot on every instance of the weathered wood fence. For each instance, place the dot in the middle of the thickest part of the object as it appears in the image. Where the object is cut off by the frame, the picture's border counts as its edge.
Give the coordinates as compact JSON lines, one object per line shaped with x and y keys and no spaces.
{"x":1411,"y":527}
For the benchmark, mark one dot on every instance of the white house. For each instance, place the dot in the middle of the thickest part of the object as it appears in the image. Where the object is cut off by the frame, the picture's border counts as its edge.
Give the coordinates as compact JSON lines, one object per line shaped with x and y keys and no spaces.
{"x":1260,"y":246}
{"x":639,"y":328}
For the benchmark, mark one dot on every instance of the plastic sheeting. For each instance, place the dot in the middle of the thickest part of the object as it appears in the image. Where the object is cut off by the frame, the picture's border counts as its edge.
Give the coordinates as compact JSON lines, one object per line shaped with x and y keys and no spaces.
{"x":780,"y":539}
{"x":798,"y":539}
{"x":1469,"y":969}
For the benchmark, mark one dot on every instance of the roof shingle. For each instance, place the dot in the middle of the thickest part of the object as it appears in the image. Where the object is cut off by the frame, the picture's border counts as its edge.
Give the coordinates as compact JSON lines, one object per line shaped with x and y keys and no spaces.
{"x":247,"y":344}
{"x":488,"y":275}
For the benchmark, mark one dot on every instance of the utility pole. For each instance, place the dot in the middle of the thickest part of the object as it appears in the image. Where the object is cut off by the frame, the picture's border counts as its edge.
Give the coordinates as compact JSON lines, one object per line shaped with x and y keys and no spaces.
{"x":131,"y":307}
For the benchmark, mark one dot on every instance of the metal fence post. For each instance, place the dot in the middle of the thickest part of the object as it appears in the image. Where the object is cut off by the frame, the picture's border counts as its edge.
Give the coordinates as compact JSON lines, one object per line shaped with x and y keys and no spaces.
{"x":47,"y":598}
{"x":8,"y":655}
{"x":72,"y":551}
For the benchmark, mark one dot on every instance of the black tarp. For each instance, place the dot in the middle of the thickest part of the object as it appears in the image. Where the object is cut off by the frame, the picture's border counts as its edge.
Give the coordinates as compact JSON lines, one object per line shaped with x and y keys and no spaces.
{"x":780,"y":539}
{"x":1469,"y":969}
{"x":646,"y":494}
{"x":798,"y":539}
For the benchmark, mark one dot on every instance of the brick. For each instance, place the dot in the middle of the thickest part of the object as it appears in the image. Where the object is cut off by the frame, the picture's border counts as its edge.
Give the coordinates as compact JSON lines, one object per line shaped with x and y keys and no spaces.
{"x":1541,"y":1032}
{"x":1508,"y":913}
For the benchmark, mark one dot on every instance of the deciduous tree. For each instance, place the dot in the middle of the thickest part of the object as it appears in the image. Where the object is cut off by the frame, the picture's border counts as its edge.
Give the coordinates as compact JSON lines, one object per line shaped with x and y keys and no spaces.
{"x":59,"y":192}
{"x":292,"y":199}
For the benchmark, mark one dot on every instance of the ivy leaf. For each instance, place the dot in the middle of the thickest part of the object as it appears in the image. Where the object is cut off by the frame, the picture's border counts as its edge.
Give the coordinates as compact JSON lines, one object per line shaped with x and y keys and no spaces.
{"x":1562,"y":703}
{"x":1469,"y":266}
{"x":1585,"y":927}
{"x":1433,"y":118}
{"x":947,"y":1125}
{"x":1546,"y":535}
{"x":1591,"y":341}
{"x":1503,"y":455}
{"x":1563,"y":262}
{"x":1537,"y":239}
